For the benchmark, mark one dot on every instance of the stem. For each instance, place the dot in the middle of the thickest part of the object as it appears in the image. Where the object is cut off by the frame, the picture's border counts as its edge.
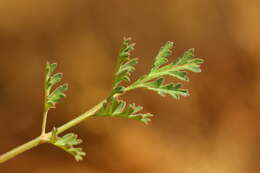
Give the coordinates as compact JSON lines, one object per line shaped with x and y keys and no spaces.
{"x":80,"y":118}
{"x":44,"y":121}
{"x":18,"y":150}
{"x":46,"y":109}
{"x":46,"y":137}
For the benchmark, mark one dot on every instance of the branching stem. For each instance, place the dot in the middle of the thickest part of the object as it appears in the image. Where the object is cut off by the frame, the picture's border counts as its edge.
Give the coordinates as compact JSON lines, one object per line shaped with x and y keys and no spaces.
{"x":44,"y":138}
{"x":111,"y":106}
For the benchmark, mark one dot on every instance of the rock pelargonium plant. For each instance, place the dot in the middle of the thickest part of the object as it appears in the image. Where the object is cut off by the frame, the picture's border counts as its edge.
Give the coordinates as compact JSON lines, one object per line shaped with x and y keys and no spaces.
{"x":112,"y":106}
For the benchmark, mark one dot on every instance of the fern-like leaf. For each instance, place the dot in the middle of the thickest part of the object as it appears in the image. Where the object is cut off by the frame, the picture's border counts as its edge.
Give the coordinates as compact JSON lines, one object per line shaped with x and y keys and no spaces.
{"x":173,"y":90}
{"x":162,"y":56}
{"x":125,"y":65}
{"x":117,"y":108}
{"x":177,"y":69}
{"x":68,"y":143}
{"x":53,"y":97}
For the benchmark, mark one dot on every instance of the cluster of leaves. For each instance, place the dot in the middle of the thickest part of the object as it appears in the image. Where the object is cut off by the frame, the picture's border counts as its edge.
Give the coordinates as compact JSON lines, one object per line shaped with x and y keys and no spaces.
{"x":113,"y":106}
{"x":53,"y":97}
{"x":154,"y":80}
{"x":68,"y":143}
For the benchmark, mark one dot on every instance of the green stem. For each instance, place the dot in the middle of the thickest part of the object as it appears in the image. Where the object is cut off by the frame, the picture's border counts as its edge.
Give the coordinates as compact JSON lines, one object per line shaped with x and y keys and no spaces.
{"x":44,"y":121}
{"x":46,"y":137}
{"x":46,"y":109}
{"x":137,"y":83}
{"x":18,"y":150}
{"x":80,"y":118}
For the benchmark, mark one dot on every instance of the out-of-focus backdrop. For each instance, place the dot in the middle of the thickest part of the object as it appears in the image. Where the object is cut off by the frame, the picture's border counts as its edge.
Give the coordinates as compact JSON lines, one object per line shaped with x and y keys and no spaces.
{"x":215,"y":130}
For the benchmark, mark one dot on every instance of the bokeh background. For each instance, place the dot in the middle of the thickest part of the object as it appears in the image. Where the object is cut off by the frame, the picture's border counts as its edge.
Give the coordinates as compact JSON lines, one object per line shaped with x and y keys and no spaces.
{"x":215,"y":130}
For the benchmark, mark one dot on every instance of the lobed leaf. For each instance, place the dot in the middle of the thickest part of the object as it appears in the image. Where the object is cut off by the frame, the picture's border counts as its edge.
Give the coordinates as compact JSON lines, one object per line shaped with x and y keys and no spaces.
{"x":56,"y":95}
{"x":50,"y":68}
{"x":118,"y":108}
{"x":177,"y":69}
{"x":171,"y":89}
{"x":53,"y":97}
{"x":125,"y":64}
{"x":67,"y":143}
{"x":56,"y":78}
{"x":162,"y":56}
{"x":188,"y":62}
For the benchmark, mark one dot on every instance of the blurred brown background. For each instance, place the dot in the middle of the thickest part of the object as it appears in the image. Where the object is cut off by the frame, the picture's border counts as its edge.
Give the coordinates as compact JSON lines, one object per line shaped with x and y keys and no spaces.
{"x":215,"y":130}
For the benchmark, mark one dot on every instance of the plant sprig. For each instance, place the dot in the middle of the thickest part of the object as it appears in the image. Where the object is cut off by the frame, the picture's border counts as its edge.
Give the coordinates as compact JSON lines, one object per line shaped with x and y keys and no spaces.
{"x":177,"y":69}
{"x":113,"y":106}
{"x":125,"y":65}
{"x":68,"y":143}
{"x":51,"y":98}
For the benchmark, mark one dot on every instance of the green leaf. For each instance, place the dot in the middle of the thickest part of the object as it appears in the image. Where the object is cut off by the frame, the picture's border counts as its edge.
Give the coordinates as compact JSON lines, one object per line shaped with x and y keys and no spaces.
{"x":56,"y":78}
{"x":53,"y":97}
{"x":118,"y":108}
{"x":57,"y":95}
{"x":162,"y":56}
{"x":125,"y":64}
{"x":67,"y":143}
{"x":188,"y":55}
{"x":171,"y":89}
{"x":188,"y":62}
{"x":50,"y":68}
{"x":177,"y":69}
{"x":182,"y":75}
